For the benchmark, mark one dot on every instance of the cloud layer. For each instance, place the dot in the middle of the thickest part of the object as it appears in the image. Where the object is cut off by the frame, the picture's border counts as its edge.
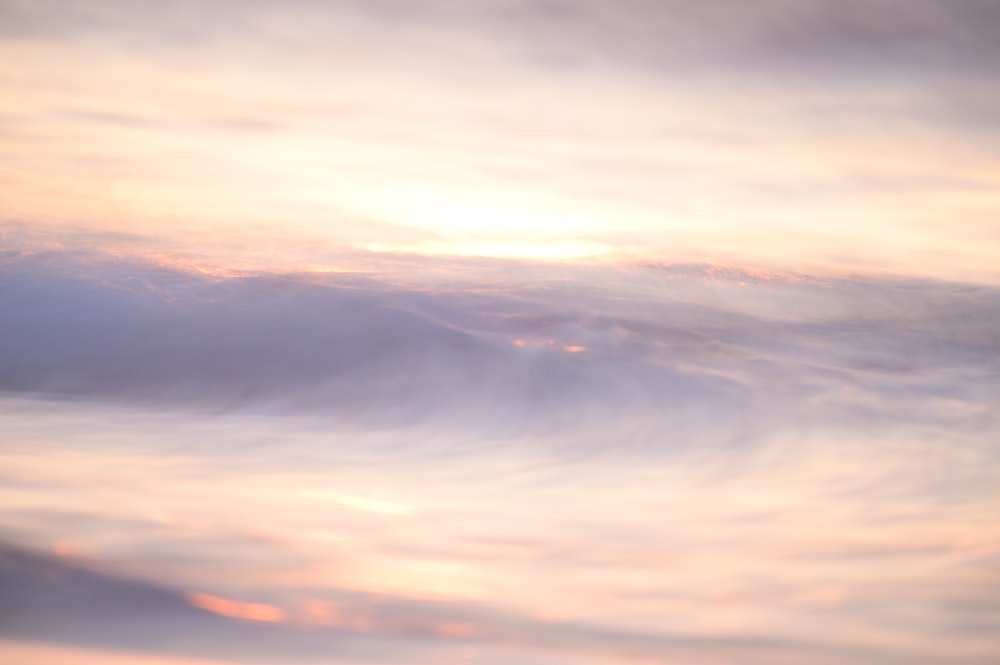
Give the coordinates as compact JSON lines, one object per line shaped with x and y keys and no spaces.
{"x":686,"y":340}
{"x":810,"y":135}
{"x":510,"y":462}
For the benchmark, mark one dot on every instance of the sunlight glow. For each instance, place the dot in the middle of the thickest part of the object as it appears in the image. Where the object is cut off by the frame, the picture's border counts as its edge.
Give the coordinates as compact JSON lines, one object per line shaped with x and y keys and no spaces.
{"x":359,"y":502}
{"x":497,"y":250}
{"x":481,"y":219}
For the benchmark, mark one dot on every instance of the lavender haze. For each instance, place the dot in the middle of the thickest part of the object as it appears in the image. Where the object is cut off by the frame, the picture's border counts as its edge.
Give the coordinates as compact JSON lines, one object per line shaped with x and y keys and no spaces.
{"x":499,"y":333}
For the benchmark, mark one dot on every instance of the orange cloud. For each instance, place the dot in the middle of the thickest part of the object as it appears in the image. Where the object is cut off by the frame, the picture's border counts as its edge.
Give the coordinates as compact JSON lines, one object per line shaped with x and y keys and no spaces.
{"x":235,"y":609}
{"x":68,"y":549}
{"x":568,"y":348}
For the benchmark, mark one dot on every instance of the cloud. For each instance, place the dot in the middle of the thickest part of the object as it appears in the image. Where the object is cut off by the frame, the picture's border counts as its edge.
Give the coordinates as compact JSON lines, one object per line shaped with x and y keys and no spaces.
{"x":430,"y":454}
{"x":354,"y":124}
{"x":46,"y":600}
{"x":709,"y":343}
{"x":53,"y":601}
{"x":133,"y":331}
{"x":810,"y":32}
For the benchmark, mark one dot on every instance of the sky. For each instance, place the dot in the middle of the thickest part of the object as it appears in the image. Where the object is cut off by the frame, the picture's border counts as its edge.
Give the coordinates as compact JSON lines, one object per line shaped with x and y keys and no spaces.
{"x":499,"y":332}
{"x":815,"y":135}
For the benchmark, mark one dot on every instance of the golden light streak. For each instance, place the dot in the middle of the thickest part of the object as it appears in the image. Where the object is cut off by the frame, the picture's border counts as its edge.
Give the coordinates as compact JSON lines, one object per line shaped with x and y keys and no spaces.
{"x":359,"y":502}
{"x":374,"y":505}
{"x":482,"y":219}
{"x":497,"y":249}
